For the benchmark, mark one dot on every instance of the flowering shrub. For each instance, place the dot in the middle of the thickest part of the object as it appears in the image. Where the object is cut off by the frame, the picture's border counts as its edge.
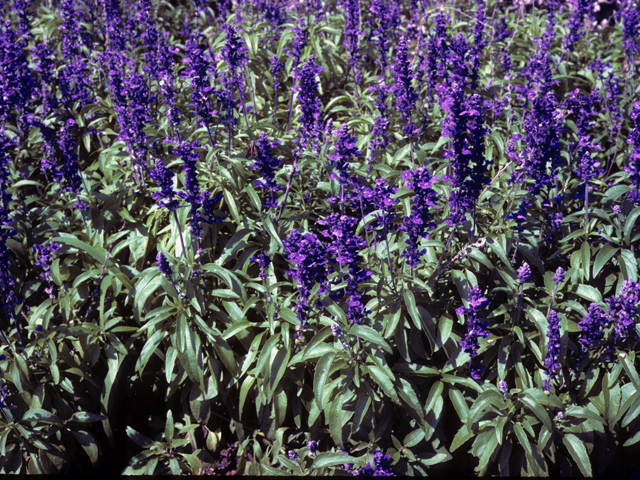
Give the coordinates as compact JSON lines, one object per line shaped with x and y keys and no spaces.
{"x":337,"y":237}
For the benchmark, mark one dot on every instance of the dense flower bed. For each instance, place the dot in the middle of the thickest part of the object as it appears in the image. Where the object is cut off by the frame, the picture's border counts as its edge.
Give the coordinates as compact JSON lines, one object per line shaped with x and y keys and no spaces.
{"x":369,"y":237}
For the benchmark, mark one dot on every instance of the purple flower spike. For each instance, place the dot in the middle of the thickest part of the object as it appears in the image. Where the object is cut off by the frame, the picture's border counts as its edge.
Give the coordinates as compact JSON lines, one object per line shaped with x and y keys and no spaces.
{"x":267,"y":165}
{"x":313,"y":446}
{"x":633,"y":167}
{"x":552,"y":364}
{"x":310,"y":106}
{"x":164,"y":177}
{"x":559,"y":276}
{"x":335,"y":329}
{"x":163,"y":264}
{"x":307,"y":254}
{"x":475,"y":327}
{"x":418,"y":224}
{"x":503,"y":386}
{"x":263,"y":260}
{"x":406,"y":97}
{"x":622,"y":309}
{"x":524,"y":273}
{"x":381,"y":466}
{"x":592,"y":324}
{"x":293,"y":455}
{"x":44,"y":258}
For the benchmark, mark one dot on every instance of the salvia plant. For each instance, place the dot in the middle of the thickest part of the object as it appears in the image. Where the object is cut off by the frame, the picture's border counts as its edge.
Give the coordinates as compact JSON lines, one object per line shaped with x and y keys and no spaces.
{"x":323,"y":237}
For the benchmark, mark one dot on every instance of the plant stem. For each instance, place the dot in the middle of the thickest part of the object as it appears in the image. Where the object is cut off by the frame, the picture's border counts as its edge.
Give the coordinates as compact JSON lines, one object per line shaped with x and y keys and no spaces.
{"x":286,"y":192}
{"x":184,"y":250}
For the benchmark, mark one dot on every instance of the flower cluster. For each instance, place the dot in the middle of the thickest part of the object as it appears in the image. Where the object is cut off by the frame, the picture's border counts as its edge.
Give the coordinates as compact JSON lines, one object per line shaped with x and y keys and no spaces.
{"x":273,"y":11}
{"x":298,"y":43}
{"x":344,"y":247}
{"x":352,"y":36}
{"x":623,"y":309}
{"x":520,"y":215}
{"x":633,"y":166}
{"x":163,"y":264}
{"x":164,"y":177}
{"x":622,"y":313}
{"x":308,"y":256}
{"x":587,"y":165}
{"x":45,"y":255}
{"x":434,"y":64}
{"x":540,"y":159}
{"x":192,"y":194}
{"x":420,"y":221}
{"x":196,"y":67}
{"x":559,"y":275}
{"x":380,"y":132}
{"x":476,"y":328}
{"x":524,"y":273}
{"x":70,"y":167}
{"x":344,"y":149}
{"x":630,"y":31}
{"x":406,"y":97}
{"x":582,"y":9}
{"x":465,"y":126}
{"x":551,"y":363}
{"x":263,"y":260}
{"x":236,"y":55}
{"x":593,"y":325}
{"x":379,"y":201}
{"x":381,"y":466}
{"x":310,"y":105}
{"x":267,"y":165}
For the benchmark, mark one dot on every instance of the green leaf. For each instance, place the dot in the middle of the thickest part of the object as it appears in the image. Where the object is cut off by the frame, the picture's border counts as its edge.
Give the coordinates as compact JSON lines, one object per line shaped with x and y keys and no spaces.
{"x":630,"y":223}
{"x":98,"y":255}
{"x":381,"y":378}
{"x":169,"y":429}
{"x":85,"y":417}
{"x":334,"y":414}
{"x":149,"y":348}
{"x":484,"y":401}
{"x":362,"y":407}
{"x":499,"y":251}
{"x":603,"y":257}
{"x":369,"y":334}
{"x":461,"y":437}
{"x":138,"y":438}
{"x":41,"y":416}
{"x":409,"y":397}
{"x":331,"y":459}
{"x":578,"y":453}
{"x":630,"y":370}
{"x":523,"y":438}
{"x":632,"y":413}
{"x":89,"y":445}
{"x":317,"y":341}
{"x":489,"y":449}
{"x":629,"y":265}
{"x":459,"y":403}
{"x":635,"y":438}
{"x":268,"y":225}
{"x":590,"y":293}
{"x":320,"y":377}
{"x":585,"y":251}
{"x":277,"y":368}
{"x":538,"y":411}
{"x":244,"y":391}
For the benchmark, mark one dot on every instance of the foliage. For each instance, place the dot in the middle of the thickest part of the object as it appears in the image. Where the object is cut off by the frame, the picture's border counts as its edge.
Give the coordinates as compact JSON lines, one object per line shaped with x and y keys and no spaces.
{"x":273,"y":237}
